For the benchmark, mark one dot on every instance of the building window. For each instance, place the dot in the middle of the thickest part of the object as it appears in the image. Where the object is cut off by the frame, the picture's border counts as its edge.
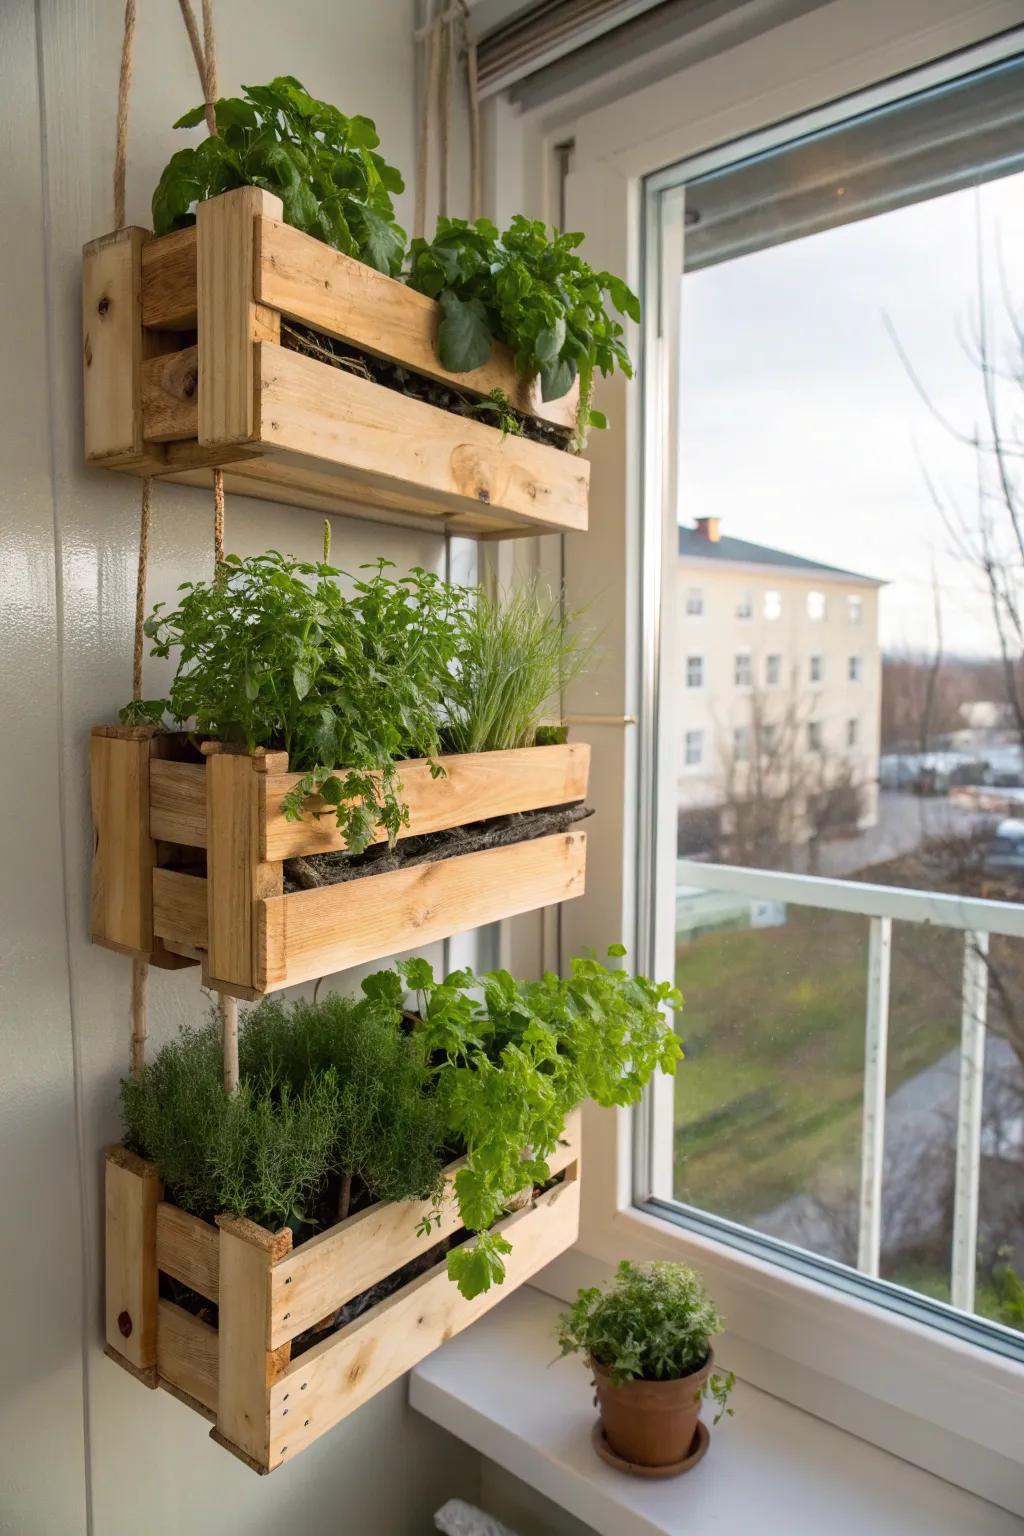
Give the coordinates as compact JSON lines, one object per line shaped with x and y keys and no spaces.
{"x":856,"y":670}
{"x":694,"y":748}
{"x":741,"y":744}
{"x":814,"y":736}
{"x":694,"y":602}
{"x":695,"y":671}
{"x":817,"y":669}
{"x":852,"y":732}
{"x":744,"y":669}
{"x":773,"y":670}
{"x":745,"y":607}
{"x":770,"y":737}
{"x":773,"y":605}
{"x":815,"y":606}
{"x":854,"y":608}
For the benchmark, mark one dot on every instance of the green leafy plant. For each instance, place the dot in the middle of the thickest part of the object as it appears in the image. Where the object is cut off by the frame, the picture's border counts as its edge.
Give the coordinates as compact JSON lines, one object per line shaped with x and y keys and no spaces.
{"x":532,"y":291}
{"x":513,"y":1058}
{"x":271,"y":653}
{"x":322,"y":164}
{"x":499,"y":409}
{"x":515,"y":654}
{"x":654,"y":1323}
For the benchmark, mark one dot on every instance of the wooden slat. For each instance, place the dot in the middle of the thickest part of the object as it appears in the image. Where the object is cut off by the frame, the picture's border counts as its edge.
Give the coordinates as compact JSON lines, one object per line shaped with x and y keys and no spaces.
{"x":228,"y":318}
{"x":476,"y":786}
{"x":169,"y":282}
{"x":331,"y":1380}
{"x":434,"y":460}
{"x":132,"y":1195}
{"x":112,"y":344}
{"x":312,"y":283}
{"x":177,"y":803}
{"x":307,"y":934}
{"x":186,"y":1354}
{"x":124,"y":855}
{"x":179,"y":909}
{"x":246,"y":1368}
{"x":238,"y":878}
{"x":169,"y":385}
{"x":324,"y":1273}
{"x":187,"y":1249}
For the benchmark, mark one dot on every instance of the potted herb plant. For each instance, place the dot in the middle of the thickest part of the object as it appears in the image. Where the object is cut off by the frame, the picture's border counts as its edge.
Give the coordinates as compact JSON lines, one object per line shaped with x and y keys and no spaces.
{"x":647,"y":1340}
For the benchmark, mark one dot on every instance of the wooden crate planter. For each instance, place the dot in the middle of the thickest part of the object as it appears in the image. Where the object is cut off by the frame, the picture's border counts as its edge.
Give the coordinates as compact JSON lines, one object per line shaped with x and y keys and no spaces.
{"x":184,"y":370}
{"x":264,"y":1405}
{"x":219,"y":823}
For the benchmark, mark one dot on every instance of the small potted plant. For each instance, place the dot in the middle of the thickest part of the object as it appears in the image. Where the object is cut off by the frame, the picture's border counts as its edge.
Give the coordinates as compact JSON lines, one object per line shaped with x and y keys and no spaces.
{"x":647,"y":1339}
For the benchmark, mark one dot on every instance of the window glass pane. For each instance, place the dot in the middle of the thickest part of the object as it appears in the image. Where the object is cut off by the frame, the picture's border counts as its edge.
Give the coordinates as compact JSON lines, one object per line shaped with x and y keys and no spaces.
{"x":866,"y":581}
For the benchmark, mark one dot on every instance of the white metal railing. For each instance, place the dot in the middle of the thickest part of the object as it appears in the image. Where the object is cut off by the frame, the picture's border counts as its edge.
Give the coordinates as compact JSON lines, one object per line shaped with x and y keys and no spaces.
{"x":883,"y":905}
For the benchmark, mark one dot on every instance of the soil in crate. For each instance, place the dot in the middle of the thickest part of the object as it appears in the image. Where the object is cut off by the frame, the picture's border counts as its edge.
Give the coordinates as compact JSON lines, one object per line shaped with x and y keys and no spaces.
{"x":499,"y":832}
{"x":208,"y":1311}
{"x":447,"y":397}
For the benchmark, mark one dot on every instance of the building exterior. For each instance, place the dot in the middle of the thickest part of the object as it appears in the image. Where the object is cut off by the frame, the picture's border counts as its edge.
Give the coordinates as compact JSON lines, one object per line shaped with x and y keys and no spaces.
{"x":780,"y":672}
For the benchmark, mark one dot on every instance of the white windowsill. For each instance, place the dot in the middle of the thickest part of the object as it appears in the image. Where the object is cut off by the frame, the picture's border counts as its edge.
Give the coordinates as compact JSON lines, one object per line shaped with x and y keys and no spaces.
{"x":770,"y":1468}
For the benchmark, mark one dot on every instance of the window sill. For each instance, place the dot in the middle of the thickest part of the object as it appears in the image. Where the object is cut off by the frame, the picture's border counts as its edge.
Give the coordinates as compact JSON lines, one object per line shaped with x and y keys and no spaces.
{"x":495,"y":1388}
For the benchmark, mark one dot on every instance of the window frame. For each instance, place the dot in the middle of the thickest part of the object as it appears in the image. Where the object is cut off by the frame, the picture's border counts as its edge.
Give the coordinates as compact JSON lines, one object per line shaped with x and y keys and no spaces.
{"x":698,"y":761}
{"x":816,"y":669}
{"x":698,"y":657}
{"x":699,"y":611}
{"x":743,"y":654}
{"x":769,"y":681}
{"x":878,"y":1374}
{"x":775,"y":593}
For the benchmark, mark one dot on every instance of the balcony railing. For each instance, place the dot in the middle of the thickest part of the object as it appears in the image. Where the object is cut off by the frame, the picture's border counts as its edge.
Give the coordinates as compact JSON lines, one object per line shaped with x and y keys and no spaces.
{"x":976,"y":919}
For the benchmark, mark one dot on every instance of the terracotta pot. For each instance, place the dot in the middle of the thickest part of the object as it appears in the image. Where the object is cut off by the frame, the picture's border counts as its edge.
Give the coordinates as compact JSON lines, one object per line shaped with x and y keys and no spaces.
{"x":651,"y":1423}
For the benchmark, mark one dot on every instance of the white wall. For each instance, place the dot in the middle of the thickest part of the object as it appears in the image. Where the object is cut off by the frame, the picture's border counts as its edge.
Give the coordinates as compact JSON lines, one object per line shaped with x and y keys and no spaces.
{"x":83,"y":1448}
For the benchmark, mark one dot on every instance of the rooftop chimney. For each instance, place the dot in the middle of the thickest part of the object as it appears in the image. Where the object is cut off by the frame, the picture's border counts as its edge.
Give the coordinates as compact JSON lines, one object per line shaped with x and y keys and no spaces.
{"x":708,"y":528}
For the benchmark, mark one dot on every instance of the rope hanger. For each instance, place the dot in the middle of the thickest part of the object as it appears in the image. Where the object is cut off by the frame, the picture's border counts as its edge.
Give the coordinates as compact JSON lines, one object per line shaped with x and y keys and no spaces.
{"x":205,"y":54}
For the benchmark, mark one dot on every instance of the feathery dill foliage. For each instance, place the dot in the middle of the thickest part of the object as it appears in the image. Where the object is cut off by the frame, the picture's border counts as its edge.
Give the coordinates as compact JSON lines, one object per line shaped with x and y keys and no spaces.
{"x":272,"y":653}
{"x":516,"y":652}
{"x":654,"y":1323}
{"x":514,"y":1057}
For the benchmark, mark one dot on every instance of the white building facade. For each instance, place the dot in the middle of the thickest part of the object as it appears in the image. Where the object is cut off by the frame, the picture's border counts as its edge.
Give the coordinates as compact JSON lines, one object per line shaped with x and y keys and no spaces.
{"x":780,"y":670}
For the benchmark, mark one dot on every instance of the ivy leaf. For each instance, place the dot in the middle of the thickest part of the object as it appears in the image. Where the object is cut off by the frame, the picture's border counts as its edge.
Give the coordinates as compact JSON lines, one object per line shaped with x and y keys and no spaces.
{"x":464,"y":337}
{"x":475,"y":1267}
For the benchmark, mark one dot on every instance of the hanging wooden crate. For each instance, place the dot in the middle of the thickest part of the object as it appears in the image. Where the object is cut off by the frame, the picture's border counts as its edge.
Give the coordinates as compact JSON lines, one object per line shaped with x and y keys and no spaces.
{"x":189,"y":859}
{"x":185,"y":370}
{"x":265,"y":1405}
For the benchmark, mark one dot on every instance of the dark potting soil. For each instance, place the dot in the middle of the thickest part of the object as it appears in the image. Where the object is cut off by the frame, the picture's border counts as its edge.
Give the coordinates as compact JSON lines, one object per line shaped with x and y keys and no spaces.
{"x":302,"y":338}
{"x":319,"y":869}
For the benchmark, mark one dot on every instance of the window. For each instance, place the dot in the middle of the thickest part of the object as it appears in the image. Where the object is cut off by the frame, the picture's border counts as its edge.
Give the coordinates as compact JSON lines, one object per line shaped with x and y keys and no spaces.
{"x":694,"y":754}
{"x":743,"y":671}
{"x":694,"y":602}
{"x":772,"y":604}
{"x":745,"y":607}
{"x":695,"y":671}
{"x":771,"y":1141}
{"x":770,"y":737}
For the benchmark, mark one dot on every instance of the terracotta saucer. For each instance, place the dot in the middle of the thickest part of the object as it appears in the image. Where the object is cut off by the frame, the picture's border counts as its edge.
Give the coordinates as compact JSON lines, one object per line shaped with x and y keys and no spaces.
{"x":698,"y":1448}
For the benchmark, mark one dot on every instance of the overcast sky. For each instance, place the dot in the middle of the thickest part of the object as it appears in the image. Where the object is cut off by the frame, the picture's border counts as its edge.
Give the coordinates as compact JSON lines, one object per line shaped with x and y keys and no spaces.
{"x":800,"y":426}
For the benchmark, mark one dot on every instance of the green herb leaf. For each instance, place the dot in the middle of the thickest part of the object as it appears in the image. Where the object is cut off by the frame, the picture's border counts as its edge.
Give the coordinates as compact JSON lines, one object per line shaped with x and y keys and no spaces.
{"x":464,"y":337}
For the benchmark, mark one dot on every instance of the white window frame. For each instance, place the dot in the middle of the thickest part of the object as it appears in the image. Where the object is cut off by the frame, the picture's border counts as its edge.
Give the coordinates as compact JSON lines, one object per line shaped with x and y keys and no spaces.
{"x":698,"y":657}
{"x":935,"y":1399}
{"x":692,"y":593}
{"x":741,"y":743}
{"x":854,"y":608}
{"x":739,"y":657}
{"x":771,"y":605}
{"x":769,"y":681}
{"x":816,"y":669}
{"x":815,"y":736}
{"x":816,"y":595}
{"x":855,"y":669}
{"x":698,"y":761}
{"x":745,"y":607}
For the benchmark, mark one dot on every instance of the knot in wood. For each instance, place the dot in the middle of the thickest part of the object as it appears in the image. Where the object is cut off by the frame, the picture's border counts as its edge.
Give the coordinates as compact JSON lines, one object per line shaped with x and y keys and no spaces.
{"x":124,"y":1323}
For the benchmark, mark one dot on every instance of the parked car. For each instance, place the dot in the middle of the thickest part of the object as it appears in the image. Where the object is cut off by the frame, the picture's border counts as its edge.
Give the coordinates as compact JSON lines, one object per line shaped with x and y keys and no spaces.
{"x":1006,"y":850}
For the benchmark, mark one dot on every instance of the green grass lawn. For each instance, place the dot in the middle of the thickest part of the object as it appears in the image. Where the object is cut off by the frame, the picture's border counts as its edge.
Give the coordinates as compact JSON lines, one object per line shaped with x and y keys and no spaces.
{"x":768,"y":1100}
